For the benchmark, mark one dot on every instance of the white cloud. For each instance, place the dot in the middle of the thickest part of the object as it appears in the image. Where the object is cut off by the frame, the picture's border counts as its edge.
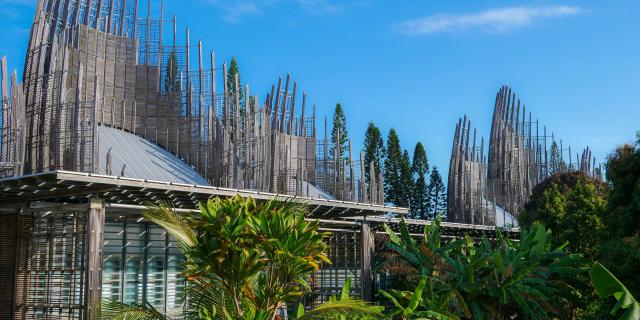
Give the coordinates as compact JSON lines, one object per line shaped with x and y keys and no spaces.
{"x":320,"y":6}
{"x":234,"y":10}
{"x":493,"y":21}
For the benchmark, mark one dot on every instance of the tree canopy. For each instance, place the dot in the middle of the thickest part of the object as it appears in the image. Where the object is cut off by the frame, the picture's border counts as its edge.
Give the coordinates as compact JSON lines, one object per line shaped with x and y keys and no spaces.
{"x":598,"y":219}
{"x":573,"y":206}
{"x":621,"y":251}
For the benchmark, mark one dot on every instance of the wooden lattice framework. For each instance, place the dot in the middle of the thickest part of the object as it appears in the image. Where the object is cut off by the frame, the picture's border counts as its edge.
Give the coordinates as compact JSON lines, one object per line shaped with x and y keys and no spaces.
{"x":487,"y":188}
{"x":99,"y":63}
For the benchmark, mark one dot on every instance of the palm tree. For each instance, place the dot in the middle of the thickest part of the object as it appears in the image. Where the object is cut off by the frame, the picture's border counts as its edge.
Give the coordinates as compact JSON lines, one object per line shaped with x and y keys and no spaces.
{"x":243,"y":260}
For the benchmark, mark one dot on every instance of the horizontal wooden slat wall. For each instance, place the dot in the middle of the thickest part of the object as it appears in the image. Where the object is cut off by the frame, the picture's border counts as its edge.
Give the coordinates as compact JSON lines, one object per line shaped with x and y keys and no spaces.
{"x":8,"y":245}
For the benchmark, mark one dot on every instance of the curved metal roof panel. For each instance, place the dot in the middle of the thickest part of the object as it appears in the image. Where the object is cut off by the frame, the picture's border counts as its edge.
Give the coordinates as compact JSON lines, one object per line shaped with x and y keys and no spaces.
{"x":135,"y":157}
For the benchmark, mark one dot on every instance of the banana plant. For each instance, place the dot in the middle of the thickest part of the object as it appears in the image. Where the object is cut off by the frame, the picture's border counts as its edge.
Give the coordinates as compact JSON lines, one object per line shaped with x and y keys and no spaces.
{"x":343,"y":307}
{"x":413,"y":301}
{"x":607,"y":285}
{"x":497,"y":279}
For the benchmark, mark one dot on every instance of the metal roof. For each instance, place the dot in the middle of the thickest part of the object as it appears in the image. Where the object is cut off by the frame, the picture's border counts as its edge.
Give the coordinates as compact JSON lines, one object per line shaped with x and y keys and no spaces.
{"x":76,"y":187}
{"x":135,"y":157}
{"x":129,"y":194}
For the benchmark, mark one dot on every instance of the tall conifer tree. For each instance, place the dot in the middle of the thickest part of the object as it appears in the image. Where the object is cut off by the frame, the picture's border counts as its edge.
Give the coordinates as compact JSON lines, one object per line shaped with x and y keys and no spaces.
{"x":232,"y":70}
{"x":339,"y":133}
{"x":407,"y":184}
{"x":392,"y":162}
{"x":420,"y":167}
{"x":438,"y":194}
{"x":556,"y":164}
{"x":172,"y":76}
{"x":373,"y":151}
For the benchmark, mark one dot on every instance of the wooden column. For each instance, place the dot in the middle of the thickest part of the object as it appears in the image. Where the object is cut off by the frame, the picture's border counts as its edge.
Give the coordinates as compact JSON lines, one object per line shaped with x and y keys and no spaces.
{"x":94,"y":248}
{"x":367,"y":250}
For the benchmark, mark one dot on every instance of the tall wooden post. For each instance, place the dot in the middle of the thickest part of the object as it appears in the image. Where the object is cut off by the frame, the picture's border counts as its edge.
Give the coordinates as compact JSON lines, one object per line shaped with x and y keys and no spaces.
{"x":123,"y":15}
{"x":94,"y":248}
{"x":214,"y":107}
{"x":302,"y":125}
{"x":292,"y":112}
{"x":283,"y":117}
{"x":367,"y":250}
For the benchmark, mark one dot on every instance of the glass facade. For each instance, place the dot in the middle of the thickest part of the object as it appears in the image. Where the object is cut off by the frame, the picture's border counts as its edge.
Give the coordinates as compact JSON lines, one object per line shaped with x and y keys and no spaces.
{"x":141,"y":263}
{"x":344,"y":253}
{"x":51,"y":265}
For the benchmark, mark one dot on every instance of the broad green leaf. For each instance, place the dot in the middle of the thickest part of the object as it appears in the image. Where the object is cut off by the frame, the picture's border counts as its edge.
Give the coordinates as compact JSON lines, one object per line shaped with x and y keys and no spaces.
{"x":607,"y":285}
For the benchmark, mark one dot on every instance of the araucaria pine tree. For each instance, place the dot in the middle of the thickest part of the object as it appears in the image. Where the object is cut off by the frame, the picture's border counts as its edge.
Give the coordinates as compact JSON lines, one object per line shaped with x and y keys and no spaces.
{"x":420,"y":203}
{"x":339,"y":134}
{"x":406,"y":180}
{"x":172,"y":76}
{"x":437,"y":194}
{"x":392,"y":163}
{"x":373,"y":151}
{"x":556,"y":164}
{"x":232,"y":71}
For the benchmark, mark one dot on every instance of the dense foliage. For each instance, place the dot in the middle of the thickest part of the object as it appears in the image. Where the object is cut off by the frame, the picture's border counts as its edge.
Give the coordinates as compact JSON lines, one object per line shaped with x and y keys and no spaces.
{"x":406,"y":183}
{"x":620,"y":251}
{"x":599,"y":219}
{"x":500,"y":280}
{"x":573,"y":206}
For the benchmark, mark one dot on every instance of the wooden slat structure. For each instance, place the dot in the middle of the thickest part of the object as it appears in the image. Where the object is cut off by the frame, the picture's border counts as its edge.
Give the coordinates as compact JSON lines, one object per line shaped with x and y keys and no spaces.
{"x":487,"y":188}
{"x":92,"y":64}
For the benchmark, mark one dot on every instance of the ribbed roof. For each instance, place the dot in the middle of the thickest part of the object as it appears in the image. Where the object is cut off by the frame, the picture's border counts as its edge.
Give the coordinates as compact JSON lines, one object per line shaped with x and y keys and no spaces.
{"x":134,"y":157}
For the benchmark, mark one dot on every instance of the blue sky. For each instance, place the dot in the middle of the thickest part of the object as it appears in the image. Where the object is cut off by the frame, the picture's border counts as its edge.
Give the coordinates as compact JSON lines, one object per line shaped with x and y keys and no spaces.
{"x":420,"y":65}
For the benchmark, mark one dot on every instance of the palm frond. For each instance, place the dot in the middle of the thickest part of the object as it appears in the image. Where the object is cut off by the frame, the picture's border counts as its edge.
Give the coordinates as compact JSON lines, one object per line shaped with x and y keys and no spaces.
{"x":351,"y":308}
{"x":165,"y":216}
{"x":115,"y":310}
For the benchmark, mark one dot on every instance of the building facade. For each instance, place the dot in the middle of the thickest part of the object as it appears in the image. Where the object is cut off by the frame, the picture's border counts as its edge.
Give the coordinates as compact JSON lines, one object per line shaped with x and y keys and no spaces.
{"x":70,"y":240}
{"x":113,"y":113}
